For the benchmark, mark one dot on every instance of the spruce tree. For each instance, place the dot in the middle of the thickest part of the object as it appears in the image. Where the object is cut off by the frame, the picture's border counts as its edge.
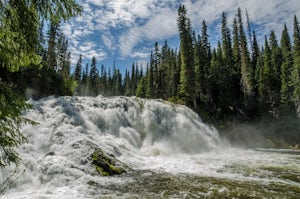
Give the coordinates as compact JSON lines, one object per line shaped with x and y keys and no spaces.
{"x":175,"y":74}
{"x":63,"y":57}
{"x":255,"y":62}
{"x":226,"y":43}
{"x":229,"y":75}
{"x":286,"y":95}
{"x":246,"y":70}
{"x":156,"y":72}
{"x":265,"y":80}
{"x":78,"y":69}
{"x":236,"y":51}
{"x":164,"y":69}
{"x":187,"y":89}
{"x":276,"y":58}
{"x":127,"y":83}
{"x":117,"y":83}
{"x":93,"y":78}
{"x":214,"y":68}
{"x":218,"y":78}
{"x":51,"y":52}
{"x":141,"y":89}
{"x":103,"y":81}
{"x":249,"y":30}
{"x":185,"y":53}
{"x":197,"y":66}
{"x":236,"y":46}
{"x":296,"y":68}
{"x":133,"y":83}
{"x":150,"y":79}
{"x":205,"y":58}
{"x":85,"y":81}
{"x":276,"y":62}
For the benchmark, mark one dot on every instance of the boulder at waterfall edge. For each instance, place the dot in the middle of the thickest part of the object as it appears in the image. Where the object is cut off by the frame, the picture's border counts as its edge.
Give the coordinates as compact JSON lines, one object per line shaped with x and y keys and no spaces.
{"x":107,"y":164}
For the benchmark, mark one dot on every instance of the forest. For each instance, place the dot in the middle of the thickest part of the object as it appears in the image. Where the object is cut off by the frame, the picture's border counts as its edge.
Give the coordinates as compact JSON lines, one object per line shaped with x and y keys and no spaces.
{"x":236,"y":84}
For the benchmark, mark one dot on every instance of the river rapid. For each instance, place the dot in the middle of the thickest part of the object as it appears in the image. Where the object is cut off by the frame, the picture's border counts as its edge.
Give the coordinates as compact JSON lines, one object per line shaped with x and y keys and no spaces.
{"x":171,"y":153}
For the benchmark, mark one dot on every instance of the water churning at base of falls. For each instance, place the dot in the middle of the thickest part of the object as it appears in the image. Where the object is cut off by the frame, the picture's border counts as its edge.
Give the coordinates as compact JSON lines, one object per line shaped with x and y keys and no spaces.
{"x":173,"y":154}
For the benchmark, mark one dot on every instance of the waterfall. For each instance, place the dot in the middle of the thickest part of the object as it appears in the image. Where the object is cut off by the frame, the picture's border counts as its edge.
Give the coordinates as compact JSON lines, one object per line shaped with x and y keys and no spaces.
{"x":57,"y":155}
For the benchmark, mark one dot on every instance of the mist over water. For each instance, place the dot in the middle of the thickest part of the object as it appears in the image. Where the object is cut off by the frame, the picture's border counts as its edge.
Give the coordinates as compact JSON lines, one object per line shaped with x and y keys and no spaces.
{"x":160,"y":141}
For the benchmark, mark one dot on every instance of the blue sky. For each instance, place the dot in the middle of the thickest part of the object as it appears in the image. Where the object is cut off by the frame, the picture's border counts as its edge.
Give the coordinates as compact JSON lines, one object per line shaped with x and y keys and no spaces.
{"x":125,"y":31}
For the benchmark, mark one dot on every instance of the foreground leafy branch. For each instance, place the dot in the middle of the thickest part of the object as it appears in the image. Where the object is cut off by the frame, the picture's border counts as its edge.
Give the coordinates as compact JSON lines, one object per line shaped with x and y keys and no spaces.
{"x":11,"y":120}
{"x":19,"y":44}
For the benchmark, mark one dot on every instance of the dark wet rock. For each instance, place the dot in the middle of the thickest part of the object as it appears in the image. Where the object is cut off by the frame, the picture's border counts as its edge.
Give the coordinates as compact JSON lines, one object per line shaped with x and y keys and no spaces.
{"x":83,"y":162}
{"x":50,"y":153}
{"x":107,"y":164}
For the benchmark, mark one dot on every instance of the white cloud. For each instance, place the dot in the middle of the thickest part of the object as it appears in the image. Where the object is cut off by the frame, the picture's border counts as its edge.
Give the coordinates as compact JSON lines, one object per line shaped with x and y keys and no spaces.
{"x":88,"y":50}
{"x":97,"y":53}
{"x":141,"y":54}
{"x":87,"y":46}
{"x":152,"y":30}
{"x":96,"y":2}
{"x":109,"y":41}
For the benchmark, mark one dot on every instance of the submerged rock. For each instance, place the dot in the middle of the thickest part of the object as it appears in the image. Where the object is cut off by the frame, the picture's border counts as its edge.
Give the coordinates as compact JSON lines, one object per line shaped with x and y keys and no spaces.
{"x":107,"y":164}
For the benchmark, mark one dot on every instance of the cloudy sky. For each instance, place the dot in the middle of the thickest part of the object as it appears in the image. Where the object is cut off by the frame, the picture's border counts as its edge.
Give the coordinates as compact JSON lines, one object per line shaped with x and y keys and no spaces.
{"x":126,"y":30}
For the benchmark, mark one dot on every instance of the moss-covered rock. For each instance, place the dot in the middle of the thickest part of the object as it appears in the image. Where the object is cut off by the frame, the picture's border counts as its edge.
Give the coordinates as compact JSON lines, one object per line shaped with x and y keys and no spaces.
{"x":107,"y":164}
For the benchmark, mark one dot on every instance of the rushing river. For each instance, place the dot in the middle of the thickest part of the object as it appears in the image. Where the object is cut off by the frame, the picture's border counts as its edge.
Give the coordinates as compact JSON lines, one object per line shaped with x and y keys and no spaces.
{"x":172,"y":153}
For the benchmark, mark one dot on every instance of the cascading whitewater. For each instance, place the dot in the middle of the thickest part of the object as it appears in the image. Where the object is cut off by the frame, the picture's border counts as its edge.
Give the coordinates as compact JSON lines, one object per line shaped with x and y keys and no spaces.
{"x":123,"y":122}
{"x":172,"y":153}
{"x":70,"y":128}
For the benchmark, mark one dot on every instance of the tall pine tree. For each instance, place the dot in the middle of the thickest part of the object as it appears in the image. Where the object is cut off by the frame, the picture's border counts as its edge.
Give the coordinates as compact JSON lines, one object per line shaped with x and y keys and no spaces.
{"x":286,"y":92}
{"x":93,"y":78}
{"x":246,"y":70}
{"x":296,"y":68}
{"x":78,"y":69}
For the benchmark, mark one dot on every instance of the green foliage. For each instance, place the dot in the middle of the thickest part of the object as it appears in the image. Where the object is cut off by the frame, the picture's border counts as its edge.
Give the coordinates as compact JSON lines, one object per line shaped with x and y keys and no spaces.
{"x":11,"y":108}
{"x":264,"y":80}
{"x":78,"y":68}
{"x":70,"y":85}
{"x":286,"y":95}
{"x":141,"y":89}
{"x":20,"y":48}
{"x":276,"y":62}
{"x":56,"y":9}
{"x":93,"y":78}
{"x":296,"y":68}
{"x":18,"y":35}
{"x":246,"y":69}
{"x":236,"y":48}
{"x":187,"y":74}
{"x":150,"y":79}
{"x":270,"y":83}
{"x":256,"y":64}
